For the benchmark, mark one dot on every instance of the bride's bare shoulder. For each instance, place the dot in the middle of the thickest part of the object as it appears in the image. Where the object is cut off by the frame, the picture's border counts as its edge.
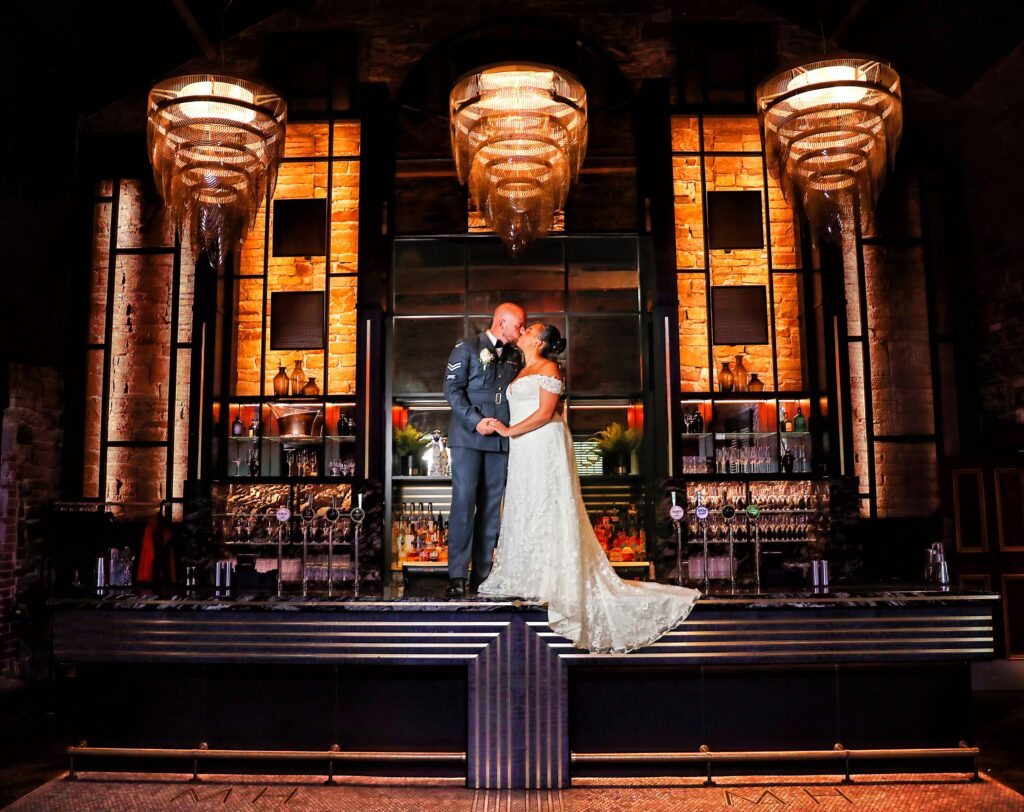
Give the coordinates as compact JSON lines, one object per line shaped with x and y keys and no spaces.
{"x":551,"y":369}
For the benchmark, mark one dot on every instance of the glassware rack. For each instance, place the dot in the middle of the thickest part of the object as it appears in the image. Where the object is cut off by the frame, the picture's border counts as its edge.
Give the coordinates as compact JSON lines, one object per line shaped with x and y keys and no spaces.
{"x":750,"y":532}
{"x":285,"y":438}
{"x":307,"y":537}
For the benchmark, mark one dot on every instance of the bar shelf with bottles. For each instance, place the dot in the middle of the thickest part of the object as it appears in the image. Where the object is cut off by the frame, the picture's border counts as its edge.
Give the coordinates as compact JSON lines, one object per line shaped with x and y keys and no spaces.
{"x":280,"y":438}
{"x":747,"y":435}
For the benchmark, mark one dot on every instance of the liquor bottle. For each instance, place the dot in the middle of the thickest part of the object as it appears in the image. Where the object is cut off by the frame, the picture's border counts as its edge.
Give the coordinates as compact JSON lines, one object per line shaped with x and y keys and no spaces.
{"x":725,"y":378}
{"x":397,"y":533}
{"x":411,"y":549}
{"x":281,"y":382}
{"x":698,"y":422}
{"x":254,"y":425}
{"x":298,"y":378}
{"x":238,"y":427}
{"x":740,"y":376}
{"x":783,"y":417}
{"x":799,"y":421}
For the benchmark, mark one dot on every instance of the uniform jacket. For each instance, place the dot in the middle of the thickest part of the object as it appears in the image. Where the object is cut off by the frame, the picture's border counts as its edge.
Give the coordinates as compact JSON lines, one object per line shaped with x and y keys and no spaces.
{"x":475,"y":391}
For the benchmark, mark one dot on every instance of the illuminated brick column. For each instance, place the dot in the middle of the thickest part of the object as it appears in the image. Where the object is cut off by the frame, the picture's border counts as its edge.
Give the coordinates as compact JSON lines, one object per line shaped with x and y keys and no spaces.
{"x":132,"y":340}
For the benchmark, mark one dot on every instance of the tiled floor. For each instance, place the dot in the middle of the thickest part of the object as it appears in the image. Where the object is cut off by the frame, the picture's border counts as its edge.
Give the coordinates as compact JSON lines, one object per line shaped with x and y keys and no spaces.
{"x":31,"y":754}
{"x":155,"y":793}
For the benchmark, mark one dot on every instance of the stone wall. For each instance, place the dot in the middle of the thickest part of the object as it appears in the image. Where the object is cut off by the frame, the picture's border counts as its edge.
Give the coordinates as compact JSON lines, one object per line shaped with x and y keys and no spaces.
{"x":993,"y":131}
{"x":30,"y":469}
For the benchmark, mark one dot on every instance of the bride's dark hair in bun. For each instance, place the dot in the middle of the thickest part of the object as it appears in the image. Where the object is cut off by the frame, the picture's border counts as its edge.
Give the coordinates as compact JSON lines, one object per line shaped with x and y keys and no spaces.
{"x":554,"y":344}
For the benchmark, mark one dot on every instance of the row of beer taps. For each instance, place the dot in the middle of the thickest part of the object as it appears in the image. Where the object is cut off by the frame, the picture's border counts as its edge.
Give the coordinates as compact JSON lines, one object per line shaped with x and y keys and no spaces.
{"x":307,"y":515}
{"x":729,"y":514}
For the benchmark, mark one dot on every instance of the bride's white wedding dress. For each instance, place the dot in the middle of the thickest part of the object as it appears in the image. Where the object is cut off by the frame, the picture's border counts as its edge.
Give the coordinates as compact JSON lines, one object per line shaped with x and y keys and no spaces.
{"x":547,"y":550}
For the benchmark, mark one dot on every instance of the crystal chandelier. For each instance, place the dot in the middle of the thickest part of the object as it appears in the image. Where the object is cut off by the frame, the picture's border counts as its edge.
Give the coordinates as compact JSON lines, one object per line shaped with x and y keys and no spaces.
{"x":215,"y":143}
{"x":519,"y":134}
{"x":830,"y":129}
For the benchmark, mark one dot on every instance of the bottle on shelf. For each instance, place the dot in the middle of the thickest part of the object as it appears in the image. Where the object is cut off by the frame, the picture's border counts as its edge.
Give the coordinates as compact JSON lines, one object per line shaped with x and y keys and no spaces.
{"x":785,"y":421}
{"x":799,"y":421}
{"x":281,"y":382}
{"x":725,"y":378}
{"x":237,"y":426}
{"x":310,"y":389}
{"x":755,"y":384}
{"x":740,"y":376}
{"x":298,"y":378}
{"x":698,"y":422}
{"x":254,"y":424}
{"x":787,"y":459}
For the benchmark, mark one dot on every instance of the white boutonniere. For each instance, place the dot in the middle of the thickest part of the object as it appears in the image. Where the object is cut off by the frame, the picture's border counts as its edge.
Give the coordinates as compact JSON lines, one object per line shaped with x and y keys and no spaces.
{"x":486,"y":357}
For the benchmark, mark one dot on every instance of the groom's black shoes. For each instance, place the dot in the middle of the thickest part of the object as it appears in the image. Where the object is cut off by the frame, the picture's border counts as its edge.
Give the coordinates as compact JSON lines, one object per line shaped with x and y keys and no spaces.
{"x":456,"y":588}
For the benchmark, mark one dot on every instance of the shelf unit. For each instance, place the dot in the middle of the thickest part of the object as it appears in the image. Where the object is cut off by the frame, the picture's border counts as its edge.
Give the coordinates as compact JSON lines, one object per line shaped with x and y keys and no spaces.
{"x":743,"y":431}
{"x":263,"y":456}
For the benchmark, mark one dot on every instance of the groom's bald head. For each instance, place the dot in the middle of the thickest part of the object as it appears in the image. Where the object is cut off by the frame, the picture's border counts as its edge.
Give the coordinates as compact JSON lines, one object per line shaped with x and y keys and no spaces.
{"x":509,"y":322}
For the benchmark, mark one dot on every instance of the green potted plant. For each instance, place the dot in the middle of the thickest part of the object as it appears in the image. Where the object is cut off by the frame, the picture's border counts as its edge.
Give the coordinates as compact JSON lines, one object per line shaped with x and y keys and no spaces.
{"x":409,"y":445}
{"x":616,"y":444}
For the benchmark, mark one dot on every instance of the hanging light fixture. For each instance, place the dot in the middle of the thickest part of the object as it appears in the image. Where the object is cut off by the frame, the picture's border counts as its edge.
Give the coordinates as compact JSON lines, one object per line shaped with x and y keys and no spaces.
{"x":831,"y":128}
{"x":215,"y":143}
{"x":519,"y":134}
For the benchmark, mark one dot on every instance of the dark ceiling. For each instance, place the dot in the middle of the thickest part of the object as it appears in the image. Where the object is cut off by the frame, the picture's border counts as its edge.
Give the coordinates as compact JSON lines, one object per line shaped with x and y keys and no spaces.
{"x":117,"y":47}
{"x":945,"y":44}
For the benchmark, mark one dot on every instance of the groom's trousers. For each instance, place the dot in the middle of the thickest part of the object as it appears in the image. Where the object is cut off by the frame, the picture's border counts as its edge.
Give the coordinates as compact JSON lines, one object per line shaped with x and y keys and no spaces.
{"x":478,"y":482}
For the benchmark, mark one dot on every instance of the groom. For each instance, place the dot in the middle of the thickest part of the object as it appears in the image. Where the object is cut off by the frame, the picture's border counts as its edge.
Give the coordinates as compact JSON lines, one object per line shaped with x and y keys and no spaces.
{"x":479,"y":369}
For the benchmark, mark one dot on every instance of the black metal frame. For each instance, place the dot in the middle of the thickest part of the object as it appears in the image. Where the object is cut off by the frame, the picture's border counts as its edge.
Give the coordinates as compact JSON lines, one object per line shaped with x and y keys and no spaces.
{"x":226,"y":391}
{"x":801,"y":273}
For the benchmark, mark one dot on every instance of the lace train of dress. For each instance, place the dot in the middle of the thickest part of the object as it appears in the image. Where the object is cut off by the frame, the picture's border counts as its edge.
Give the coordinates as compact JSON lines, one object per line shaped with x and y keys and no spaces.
{"x":547,"y":549}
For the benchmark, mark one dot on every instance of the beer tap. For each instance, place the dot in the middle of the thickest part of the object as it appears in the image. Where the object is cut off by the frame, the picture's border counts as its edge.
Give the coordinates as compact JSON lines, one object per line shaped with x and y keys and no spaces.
{"x":308,"y":514}
{"x":282,"y":515}
{"x":333,"y":514}
{"x":702,"y":517}
{"x":753,"y":512}
{"x":728,"y":514}
{"x":358,"y":515}
{"x":676,"y":513}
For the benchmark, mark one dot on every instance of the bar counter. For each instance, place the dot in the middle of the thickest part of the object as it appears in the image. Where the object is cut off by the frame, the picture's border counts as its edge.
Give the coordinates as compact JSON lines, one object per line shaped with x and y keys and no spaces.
{"x":483,"y":689}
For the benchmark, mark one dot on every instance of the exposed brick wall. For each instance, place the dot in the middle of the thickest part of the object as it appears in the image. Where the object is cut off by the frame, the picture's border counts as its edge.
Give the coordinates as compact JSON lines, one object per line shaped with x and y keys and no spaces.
{"x":736,"y":267}
{"x":296,"y":180}
{"x":30,"y":450}
{"x":993,"y":130}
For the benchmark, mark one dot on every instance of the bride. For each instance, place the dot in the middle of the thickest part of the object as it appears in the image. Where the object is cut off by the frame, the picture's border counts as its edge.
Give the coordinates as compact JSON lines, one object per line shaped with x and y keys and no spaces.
{"x":547,"y":549}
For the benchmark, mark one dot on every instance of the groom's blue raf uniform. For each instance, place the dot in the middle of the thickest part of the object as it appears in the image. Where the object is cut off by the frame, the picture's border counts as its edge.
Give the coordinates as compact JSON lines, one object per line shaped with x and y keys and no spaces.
{"x":475,"y":391}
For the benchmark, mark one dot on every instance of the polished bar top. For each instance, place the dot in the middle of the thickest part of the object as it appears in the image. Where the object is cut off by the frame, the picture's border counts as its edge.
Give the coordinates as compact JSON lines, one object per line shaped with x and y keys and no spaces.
{"x":392,"y":599}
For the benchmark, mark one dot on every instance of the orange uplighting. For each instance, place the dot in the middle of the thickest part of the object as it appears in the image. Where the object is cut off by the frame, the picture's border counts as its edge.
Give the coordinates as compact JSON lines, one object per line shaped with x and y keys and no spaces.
{"x":635,"y":417}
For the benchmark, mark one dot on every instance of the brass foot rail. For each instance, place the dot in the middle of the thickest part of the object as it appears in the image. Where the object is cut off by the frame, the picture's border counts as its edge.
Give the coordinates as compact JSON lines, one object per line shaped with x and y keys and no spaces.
{"x":203,"y":752}
{"x":838,"y":753}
